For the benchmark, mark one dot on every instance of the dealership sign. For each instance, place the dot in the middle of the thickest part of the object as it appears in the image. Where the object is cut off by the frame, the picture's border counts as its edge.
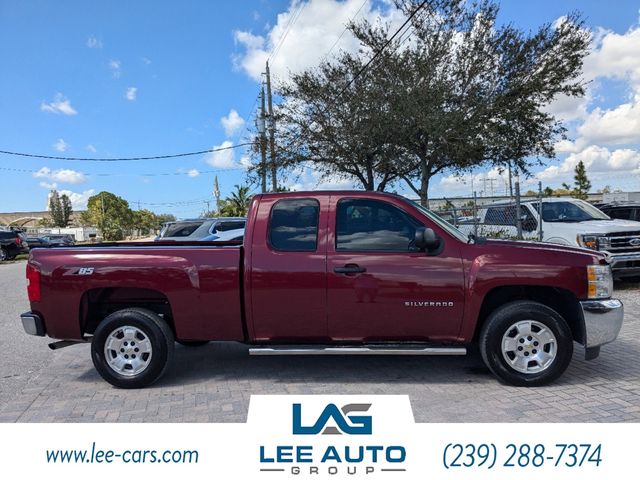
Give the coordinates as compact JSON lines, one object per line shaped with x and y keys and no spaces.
{"x":336,"y":435}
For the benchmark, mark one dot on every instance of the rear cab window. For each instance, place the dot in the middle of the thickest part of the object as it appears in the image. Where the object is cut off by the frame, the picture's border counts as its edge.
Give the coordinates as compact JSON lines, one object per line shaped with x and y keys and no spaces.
{"x":293,"y":226}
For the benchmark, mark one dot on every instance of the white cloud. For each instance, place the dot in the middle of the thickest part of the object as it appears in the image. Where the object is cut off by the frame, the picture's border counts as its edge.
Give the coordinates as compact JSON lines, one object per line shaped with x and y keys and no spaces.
{"x":232,"y":123}
{"x":146,"y":61}
{"x":245,"y":162}
{"x":223,"y":159}
{"x":309,"y":180}
{"x":615,"y":56}
{"x":94,"y":42}
{"x":131,"y":94}
{"x":615,"y":126}
{"x":596,"y":160}
{"x":91,"y":148}
{"x":568,"y":108}
{"x":492,"y":182}
{"x":193,"y":173}
{"x":116,"y":68}
{"x":78,"y":200}
{"x":63,"y":175}
{"x":61,"y":145}
{"x":60,"y":104}
{"x":317,"y":27}
{"x":49,"y":186}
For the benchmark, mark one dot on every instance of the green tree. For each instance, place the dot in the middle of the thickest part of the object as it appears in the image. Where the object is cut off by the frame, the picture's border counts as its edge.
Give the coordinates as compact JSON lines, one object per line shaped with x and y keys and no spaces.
{"x":60,"y":209}
{"x":237,"y":203}
{"x":582,"y":185}
{"x":145,"y":221}
{"x":466,"y":91}
{"x":110,"y":213}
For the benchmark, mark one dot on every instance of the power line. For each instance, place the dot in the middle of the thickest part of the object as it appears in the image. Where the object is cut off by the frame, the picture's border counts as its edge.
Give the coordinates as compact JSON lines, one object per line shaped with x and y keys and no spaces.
{"x":294,"y":17}
{"x":155,"y":174}
{"x":125,"y":159}
{"x":344,"y":30}
{"x":366,"y":65}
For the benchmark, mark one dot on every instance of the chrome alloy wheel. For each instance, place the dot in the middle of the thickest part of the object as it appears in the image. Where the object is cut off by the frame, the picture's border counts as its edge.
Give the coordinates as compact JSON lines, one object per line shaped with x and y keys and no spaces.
{"x":128,"y":351}
{"x":529,"y":346}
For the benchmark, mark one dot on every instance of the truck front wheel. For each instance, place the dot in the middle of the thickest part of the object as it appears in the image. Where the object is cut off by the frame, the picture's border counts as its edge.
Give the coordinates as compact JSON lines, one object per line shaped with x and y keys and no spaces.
{"x":132,"y":348}
{"x":526,"y":343}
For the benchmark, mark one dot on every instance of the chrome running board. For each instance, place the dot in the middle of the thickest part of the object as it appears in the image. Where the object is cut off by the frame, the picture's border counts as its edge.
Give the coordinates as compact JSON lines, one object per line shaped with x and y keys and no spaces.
{"x":356,"y":350}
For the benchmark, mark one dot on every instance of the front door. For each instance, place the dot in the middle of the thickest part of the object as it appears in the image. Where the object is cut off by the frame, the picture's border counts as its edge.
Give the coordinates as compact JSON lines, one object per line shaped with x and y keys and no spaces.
{"x":380,"y":288}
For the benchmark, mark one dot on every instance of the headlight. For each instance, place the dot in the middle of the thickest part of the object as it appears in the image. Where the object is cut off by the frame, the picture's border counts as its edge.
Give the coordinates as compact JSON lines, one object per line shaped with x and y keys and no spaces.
{"x":600,"y":281}
{"x":594,"y":241}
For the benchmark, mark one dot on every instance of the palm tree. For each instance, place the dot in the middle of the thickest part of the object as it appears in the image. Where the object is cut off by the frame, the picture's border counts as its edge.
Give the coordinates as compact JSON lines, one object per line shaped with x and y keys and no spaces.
{"x":237,"y":203}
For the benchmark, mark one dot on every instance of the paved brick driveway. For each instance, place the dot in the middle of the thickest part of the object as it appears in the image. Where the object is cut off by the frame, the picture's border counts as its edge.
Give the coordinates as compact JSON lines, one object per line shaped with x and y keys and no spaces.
{"x":214,"y":384}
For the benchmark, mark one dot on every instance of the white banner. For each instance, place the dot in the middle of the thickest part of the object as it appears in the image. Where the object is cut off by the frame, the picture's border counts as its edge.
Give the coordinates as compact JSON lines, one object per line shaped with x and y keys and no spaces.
{"x":323,"y":437}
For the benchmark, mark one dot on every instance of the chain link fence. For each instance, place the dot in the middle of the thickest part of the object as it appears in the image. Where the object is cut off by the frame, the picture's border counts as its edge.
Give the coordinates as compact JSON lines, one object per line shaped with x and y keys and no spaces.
{"x":495,"y":218}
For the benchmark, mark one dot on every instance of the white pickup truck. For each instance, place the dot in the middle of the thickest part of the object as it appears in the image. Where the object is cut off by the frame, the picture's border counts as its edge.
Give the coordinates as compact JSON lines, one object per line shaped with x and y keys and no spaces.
{"x":566,"y":221}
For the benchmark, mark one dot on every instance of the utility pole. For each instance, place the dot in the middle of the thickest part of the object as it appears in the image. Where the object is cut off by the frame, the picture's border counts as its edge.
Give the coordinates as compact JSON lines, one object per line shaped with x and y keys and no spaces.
{"x":510,"y":181}
{"x":272,"y":133}
{"x":260,"y":125}
{"x":216,"y":194}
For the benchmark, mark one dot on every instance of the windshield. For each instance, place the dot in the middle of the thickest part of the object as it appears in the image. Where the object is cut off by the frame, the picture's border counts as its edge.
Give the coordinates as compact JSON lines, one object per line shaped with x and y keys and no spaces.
{"x":441,"y":222}
{"x":574,"y":211}
{"x":181,"y":229}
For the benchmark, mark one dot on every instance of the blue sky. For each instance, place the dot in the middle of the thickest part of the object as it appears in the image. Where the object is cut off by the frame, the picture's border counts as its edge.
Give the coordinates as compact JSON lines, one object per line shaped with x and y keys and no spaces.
{"x":109,"y":79}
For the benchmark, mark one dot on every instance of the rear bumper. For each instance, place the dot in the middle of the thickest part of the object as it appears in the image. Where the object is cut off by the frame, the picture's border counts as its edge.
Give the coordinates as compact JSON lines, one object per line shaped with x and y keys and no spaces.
{"x":602,"y":321}
{"x":33,"y":324}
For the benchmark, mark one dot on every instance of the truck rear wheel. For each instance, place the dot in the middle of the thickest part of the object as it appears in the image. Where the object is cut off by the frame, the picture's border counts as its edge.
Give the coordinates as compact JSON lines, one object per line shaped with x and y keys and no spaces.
{"x":526,"y":343}
{"x":132,"y":348}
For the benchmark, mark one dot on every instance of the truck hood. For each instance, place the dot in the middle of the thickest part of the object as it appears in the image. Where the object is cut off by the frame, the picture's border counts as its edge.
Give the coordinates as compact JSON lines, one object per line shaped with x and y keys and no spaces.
{"x":599,"y":226}
{"x":538,"y":247}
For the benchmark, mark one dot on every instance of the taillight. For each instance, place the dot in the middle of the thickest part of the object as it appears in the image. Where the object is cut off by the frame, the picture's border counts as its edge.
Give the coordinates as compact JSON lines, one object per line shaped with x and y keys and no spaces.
{"x":18,"y":240}
{"x":33,"y":283}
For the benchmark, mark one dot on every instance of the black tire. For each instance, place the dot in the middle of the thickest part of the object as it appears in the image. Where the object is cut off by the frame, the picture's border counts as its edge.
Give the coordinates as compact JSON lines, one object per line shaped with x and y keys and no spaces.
{"x":153,"y":328}
{"x":192,"y":343}
{"x":503,"y":320}
{"x":3,"y":254}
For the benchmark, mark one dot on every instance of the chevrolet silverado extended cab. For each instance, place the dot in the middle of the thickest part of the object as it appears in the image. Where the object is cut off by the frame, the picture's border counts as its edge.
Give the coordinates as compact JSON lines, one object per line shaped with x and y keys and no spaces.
{"x":328,"y":273}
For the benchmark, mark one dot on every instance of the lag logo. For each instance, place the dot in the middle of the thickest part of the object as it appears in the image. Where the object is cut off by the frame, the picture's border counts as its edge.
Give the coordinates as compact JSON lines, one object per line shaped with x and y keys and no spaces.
{"x":344,"y":419}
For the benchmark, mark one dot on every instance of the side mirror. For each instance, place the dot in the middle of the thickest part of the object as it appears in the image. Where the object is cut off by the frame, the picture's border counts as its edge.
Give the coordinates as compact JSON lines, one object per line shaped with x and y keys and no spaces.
{"x":426,"y":239}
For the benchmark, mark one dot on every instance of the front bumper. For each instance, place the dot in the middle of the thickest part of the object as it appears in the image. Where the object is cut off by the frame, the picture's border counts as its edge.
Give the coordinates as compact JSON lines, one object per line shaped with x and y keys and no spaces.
{"x":33,"y":324}
{"x":624,"y":264}
{"x":602,"y":321}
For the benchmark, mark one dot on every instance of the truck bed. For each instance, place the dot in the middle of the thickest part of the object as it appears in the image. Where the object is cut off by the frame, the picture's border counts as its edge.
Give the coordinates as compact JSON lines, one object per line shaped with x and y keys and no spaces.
{"x":196,"y":286}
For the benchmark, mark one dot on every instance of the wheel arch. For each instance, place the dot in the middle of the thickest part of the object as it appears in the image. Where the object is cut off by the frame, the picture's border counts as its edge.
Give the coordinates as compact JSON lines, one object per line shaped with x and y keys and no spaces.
{"x":97,"y":303}
{"x":561,"y":300}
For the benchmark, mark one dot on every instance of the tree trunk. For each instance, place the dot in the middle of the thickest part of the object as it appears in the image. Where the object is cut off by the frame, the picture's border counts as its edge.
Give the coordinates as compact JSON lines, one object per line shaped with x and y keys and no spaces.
{"x":425,"y":176}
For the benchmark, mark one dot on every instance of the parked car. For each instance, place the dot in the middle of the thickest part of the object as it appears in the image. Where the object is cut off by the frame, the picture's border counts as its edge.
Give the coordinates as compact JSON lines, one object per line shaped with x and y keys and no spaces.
{"x":567,"y":221}
{"x":12,"y":243}
{"x":622,"y":210}
{"x":199,"y":228}
{"x":38,"y":242}
{"x":59,"y":240}
{"x":236,"y":235}
{"x":328,"y":273}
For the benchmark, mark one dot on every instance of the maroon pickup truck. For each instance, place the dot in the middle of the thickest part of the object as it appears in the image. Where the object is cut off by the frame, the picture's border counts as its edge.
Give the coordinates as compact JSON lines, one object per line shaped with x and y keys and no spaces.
{"x":328,"y":273}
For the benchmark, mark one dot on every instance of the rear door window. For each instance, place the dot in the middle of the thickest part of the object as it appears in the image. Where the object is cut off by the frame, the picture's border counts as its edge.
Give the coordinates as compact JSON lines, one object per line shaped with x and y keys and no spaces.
{"x":293,"y":226}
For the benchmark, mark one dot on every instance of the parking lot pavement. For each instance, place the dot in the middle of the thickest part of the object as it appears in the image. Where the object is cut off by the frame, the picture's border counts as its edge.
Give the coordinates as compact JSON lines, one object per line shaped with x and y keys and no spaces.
{"x":214,"y":383}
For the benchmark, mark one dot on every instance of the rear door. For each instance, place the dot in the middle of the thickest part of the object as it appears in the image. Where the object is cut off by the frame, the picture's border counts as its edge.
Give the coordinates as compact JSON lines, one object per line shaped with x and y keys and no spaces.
{"x":380,"y":288}
{"x":287,"y":274}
